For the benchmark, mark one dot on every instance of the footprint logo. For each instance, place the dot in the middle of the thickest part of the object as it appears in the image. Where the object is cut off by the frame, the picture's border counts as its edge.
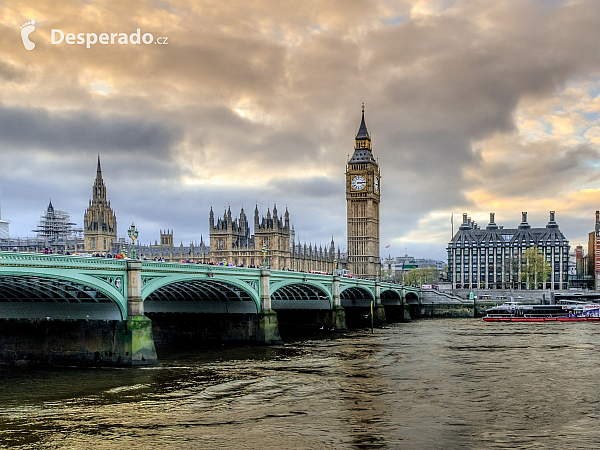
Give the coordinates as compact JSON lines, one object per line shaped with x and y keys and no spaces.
{"x":26,"y":30}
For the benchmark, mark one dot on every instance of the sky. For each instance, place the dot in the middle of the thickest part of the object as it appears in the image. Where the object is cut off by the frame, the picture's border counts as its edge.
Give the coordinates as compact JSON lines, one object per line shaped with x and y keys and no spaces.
{"x":472,"y":106}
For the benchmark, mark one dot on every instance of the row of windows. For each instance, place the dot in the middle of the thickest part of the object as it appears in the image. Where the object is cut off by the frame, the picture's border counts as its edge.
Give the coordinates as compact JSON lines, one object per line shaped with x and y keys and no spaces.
{"x":497,"y":278}
{"x":460,"y":245}
{"x":474,"y":252}
{"x":490,"y":259}
{"x":490,"y":269}
{"x":499,"y":285}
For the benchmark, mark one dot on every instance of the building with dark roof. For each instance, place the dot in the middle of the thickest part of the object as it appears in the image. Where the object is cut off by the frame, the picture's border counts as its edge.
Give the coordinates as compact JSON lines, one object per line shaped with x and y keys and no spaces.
{"x":491,"y":258}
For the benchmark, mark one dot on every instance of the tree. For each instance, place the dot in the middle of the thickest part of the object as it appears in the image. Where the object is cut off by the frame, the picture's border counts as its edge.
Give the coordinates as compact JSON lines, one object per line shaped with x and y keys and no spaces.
{"x":512,"y":266}
{"x":535,"y":270}
{"x":417,"y":277}
{"x":444,"y":274}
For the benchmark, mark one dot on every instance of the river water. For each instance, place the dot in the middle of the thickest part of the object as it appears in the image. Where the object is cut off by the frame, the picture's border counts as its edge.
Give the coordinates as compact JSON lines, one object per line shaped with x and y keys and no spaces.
{"x":454,"y":383}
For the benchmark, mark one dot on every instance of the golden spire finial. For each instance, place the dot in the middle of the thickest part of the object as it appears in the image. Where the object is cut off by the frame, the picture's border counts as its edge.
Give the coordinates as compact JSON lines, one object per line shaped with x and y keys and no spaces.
{"x":363,"y":106}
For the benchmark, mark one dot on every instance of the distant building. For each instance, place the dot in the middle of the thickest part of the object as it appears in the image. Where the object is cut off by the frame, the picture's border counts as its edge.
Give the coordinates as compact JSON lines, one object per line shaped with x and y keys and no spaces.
{"x":56,"y":230}
{"x":3,"y":227}
{"x":594,"y":252}
{"x":231,"y":242}
{"x":99,"y":220}
{"x":579,"y":277}
{"x":576,"y":261}
{"x":401,"y":265}
{"x":492,"y":258}
{"x":55,"y":233}
{"x":4,"y":232}
{"x":165,"y":250}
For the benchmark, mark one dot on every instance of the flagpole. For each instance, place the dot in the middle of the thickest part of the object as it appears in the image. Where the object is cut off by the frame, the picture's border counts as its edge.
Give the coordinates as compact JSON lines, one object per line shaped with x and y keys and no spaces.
{"x":452,"y":222}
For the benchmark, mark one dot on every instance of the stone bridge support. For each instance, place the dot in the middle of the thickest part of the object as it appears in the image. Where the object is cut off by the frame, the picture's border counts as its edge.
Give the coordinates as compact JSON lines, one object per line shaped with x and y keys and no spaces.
{"x":139,"y":340}
{"x":378,"y":309}
{"x":338,"y":313}
{"x":268,"y":326}
{"x":405,"y":305}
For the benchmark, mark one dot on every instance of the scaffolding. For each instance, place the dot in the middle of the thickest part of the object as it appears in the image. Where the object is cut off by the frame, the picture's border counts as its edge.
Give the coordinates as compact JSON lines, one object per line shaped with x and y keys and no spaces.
{"x":56,"y":232}
{"x":3,"y":229}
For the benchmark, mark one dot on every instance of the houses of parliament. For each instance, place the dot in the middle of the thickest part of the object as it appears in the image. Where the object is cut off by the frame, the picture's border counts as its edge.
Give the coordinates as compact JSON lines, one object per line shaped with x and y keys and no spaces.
{"x":272,"y":242}
{"x":231,"y":241}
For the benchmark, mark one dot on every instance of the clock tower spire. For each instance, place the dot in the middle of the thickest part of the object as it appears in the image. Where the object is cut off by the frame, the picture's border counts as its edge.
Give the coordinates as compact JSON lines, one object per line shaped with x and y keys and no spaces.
{"x":362,"y":199}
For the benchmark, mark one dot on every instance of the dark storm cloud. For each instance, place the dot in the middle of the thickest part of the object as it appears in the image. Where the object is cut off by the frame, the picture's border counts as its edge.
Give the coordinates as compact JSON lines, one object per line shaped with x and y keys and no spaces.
{"x":81,"y":130}
{"x":312,"y":187}
{"x":540,"y":168}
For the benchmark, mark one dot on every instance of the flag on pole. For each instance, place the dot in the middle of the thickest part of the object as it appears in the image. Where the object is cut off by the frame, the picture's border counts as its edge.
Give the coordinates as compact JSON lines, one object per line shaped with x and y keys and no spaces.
{"x":387,"y":246}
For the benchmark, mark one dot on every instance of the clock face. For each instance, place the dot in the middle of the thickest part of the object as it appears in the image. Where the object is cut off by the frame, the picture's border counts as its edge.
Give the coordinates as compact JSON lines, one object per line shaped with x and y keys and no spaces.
{"x":358,"y":183}
{"x":376,"y":184}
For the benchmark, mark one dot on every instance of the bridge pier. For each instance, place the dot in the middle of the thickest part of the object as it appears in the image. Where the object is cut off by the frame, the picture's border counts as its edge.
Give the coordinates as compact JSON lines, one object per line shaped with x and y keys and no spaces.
{"x":405,"y":306}
{"x":139,"y":340}
{"x":378,"y":309}
{"x":268,"y":326}
{"x":338,"y":313}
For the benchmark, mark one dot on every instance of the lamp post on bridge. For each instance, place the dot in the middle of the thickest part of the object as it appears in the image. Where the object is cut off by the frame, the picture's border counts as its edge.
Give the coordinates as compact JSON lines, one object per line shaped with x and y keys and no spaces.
{"x":132,"y":232}
{"x":264,"y":252}
{"x":335,"y":265}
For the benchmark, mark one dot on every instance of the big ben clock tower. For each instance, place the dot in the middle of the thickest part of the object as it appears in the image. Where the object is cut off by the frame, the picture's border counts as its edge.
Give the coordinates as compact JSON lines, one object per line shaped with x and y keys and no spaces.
{"x":363,"y":185}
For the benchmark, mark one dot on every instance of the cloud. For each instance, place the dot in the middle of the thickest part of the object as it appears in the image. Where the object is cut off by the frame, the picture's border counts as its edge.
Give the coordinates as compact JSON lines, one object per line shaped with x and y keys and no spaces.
{"x":70,"y":130}
{"x":471,"y":105}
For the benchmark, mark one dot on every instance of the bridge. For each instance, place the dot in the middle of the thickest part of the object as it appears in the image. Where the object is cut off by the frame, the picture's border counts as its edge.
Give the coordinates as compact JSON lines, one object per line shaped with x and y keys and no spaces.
{"x":50,"y":288}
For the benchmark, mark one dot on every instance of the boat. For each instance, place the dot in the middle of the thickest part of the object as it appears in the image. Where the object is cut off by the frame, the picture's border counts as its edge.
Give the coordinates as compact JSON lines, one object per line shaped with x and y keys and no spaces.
{"x":562,"y":311}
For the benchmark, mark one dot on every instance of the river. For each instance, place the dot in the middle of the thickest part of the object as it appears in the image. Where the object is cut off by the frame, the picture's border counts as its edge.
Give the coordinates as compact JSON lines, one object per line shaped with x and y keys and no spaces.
{"x":454,"y":383}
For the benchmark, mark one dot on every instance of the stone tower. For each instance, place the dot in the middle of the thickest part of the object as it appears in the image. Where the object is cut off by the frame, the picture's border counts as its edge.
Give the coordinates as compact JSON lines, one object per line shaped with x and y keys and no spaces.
{"x":99,"y":220}
{"x":363,"y":186}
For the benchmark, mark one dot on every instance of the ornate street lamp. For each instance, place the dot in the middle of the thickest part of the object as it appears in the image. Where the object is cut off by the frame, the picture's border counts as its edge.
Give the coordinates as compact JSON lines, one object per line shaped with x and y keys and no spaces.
{"x":132,"y":232}
{"x":264,"y":252}
{"x":335,"y":264}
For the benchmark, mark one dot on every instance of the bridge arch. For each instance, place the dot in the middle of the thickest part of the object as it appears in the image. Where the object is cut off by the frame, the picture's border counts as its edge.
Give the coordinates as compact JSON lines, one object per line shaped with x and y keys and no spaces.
{"x":356,"y":296}
{"x":189,"y":293}
{"x":31,"y":294}
{"x":412,"y":298}
{"x":391,"y":297}
{"x":294,"y":294}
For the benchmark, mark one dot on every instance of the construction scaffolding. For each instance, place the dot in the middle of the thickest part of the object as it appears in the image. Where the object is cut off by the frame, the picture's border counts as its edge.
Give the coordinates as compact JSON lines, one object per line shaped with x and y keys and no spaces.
{"x":55,"y":233}
{"x":3,"y":229}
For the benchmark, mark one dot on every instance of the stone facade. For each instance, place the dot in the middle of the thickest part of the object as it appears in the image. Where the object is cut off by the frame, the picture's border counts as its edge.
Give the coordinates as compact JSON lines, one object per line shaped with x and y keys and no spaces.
{"x":99,"y":220}
{"x":363,"y":189}
{"x":272,"y":244}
